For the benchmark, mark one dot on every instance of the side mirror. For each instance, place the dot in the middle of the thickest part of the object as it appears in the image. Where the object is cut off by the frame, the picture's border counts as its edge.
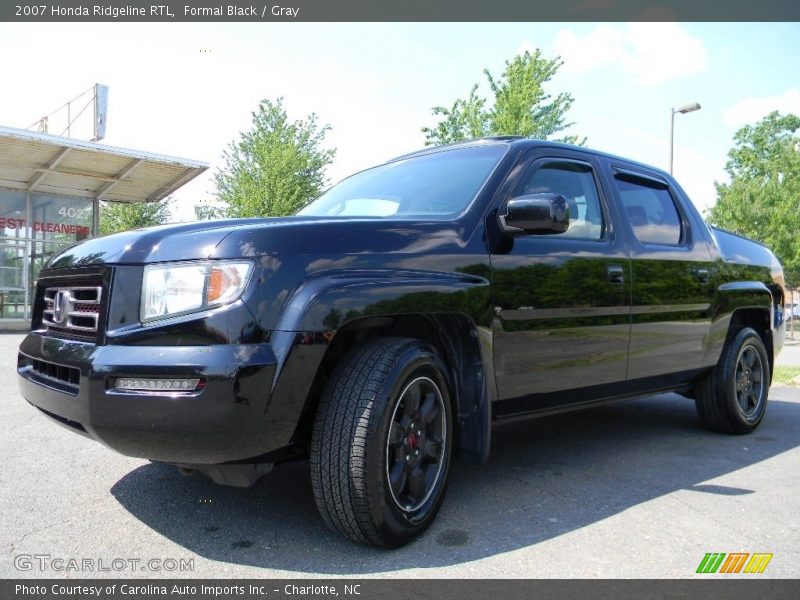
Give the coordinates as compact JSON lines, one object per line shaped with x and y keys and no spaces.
{"x":535,"y":214}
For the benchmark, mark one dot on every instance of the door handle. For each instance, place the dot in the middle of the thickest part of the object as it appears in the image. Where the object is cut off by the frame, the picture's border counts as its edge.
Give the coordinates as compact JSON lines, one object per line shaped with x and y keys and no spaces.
{"x":615,"y":274}
{"x":702,"y":275}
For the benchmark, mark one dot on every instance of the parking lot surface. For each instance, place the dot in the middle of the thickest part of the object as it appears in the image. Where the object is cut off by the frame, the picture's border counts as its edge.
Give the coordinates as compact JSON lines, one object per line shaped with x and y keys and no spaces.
{"x":631,"y":489}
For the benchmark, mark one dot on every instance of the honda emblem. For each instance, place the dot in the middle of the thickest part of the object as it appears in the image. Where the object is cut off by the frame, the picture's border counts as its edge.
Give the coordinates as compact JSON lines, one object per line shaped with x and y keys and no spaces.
{"x":61,"y":306}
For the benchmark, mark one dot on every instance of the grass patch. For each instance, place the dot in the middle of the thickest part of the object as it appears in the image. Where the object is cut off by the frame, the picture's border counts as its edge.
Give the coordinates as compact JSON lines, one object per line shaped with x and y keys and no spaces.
{"x":785,"y":375}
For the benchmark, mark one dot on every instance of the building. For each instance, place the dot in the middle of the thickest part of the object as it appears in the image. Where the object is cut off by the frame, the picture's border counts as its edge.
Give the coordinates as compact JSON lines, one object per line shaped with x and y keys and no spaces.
{"x":50,"y":190}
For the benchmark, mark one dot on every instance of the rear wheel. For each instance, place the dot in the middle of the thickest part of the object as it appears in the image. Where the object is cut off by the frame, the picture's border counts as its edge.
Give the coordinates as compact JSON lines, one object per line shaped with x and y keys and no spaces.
{"x":733,"y":397}
{"x":381,"y":446}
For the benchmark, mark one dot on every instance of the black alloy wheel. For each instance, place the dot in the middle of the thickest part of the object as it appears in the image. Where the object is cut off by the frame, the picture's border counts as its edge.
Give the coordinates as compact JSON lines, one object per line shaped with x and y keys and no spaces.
{"x":381,"y":446}
{"x":732,"y":397}
{"x":749,"y":381}
{"x":415,"y":444}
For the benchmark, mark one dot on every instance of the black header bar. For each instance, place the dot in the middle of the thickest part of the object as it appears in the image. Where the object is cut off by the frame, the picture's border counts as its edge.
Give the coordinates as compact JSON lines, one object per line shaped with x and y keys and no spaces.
{"x":371,"y":589}
{"x":399,"y":10}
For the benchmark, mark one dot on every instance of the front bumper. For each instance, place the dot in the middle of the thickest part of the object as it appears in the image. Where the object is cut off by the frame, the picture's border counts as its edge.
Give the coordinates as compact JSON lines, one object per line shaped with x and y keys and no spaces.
{"x":227,"y":421}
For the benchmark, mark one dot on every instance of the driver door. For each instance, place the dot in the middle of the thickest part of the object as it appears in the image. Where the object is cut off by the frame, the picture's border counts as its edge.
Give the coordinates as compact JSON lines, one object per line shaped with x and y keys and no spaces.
{"x":562,"y":301}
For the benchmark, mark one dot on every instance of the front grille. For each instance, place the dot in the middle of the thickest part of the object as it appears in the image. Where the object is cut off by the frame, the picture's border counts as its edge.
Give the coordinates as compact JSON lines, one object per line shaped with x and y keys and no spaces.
{"x":73,"y":310}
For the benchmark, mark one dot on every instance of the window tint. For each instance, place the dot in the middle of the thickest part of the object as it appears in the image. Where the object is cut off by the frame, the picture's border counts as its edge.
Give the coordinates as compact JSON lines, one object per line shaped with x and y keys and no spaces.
{"x":651,"y":212}
{"x":576,"y":183}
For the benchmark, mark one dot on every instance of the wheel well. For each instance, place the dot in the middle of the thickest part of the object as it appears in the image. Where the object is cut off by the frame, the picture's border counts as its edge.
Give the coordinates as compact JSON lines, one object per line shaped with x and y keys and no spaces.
{"x":759,"y":320}
{"x":455,"y":338}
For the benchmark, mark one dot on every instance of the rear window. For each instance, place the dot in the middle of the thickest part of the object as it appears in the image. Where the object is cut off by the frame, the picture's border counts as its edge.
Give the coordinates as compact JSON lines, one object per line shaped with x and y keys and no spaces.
{"x":651,"y":212}
{"x":436,"y":186}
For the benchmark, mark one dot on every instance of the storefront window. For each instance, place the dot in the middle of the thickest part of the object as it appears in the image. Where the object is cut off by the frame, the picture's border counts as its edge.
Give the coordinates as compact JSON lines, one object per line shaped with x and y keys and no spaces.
{"x":40,"y":252}
{"x":25,"y":245}
{"x":13,"y":214}
{"x":60,"y":219}
{"x":12,"y":279}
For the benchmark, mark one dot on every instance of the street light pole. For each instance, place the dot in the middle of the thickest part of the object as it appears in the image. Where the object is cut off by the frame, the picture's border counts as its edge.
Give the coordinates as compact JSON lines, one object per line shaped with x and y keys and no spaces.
{"x":683,"y":110}
{"x":671,"y":137}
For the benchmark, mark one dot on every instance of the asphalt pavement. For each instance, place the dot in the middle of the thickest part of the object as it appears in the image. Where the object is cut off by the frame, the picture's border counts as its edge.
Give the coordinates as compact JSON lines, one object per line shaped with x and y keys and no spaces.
{"x":631,"y":489}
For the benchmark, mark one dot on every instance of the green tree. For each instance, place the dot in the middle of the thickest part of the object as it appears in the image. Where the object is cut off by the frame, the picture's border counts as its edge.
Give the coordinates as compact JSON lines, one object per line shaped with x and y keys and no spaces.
{"x":207,"y":210}
{"x":122,"y":216}
{"x":276,"y":167}
{"x":762,"y":200}
{"x":465,"y":120}
{"x":521,"y":106}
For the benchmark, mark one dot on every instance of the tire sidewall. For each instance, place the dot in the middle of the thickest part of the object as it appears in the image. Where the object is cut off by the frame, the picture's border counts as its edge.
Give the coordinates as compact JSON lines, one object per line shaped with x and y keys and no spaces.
{"x":395,"y":525}
{"x":745,"y":338}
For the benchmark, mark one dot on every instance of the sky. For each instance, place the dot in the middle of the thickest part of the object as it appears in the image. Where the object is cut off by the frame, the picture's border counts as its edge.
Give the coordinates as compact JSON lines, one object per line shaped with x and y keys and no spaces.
{"x":188,"y":89}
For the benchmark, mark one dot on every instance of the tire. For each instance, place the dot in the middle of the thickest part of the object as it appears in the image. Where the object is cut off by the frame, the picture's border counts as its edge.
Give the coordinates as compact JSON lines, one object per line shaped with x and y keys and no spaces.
{"x":733,"y":396}
{"x":375,"y":479}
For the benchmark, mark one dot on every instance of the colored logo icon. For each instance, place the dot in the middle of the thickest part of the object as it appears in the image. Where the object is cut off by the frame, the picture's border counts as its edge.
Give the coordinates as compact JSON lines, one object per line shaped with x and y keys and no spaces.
{"x":734,"y":562}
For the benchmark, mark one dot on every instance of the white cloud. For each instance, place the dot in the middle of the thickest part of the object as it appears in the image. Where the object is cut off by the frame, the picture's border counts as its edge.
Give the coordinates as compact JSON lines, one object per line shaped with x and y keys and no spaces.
{"x":652,"y":53}
{"x":696,"y":174}
{"x":603,"y":45}
{"x":754,"y":108}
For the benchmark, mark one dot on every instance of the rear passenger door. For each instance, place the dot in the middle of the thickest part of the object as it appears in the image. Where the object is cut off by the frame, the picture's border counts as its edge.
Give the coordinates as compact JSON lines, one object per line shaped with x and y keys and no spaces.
{"x":671,"y":273}
{"x":561,"y":301}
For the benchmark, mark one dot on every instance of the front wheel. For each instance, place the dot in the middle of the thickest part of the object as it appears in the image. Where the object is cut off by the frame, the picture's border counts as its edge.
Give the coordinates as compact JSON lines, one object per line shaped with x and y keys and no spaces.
{"x":733,"y":396}
{"x":382,"y":441}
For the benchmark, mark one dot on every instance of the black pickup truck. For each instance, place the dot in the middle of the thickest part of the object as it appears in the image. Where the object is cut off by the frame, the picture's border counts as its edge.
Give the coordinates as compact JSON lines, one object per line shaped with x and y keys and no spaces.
{"x":383,"y":328}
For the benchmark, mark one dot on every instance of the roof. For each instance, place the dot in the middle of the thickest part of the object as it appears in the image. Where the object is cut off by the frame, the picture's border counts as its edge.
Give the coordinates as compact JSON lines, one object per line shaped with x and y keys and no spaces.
{"x":50,"y":164}
{"x":483,"y":141}
{"x":523,"y":142}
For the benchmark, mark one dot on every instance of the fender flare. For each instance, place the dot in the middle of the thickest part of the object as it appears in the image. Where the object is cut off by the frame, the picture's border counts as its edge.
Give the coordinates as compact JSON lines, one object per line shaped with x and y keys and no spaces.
{"x":455,"y":308}
{"x":729,"y":299}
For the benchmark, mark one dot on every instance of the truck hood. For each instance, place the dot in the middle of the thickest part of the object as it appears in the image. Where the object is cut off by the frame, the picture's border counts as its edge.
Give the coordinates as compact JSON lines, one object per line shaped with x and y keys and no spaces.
{"x":234,"y":238}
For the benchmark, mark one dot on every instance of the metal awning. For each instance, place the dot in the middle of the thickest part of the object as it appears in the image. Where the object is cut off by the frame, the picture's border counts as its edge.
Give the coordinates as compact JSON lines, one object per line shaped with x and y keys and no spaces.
{"x":50,"y":164}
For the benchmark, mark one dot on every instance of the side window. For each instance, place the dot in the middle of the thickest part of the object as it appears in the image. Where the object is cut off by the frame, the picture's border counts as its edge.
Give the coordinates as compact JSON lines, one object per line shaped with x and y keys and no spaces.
{"x":576,"y":183}
{"x":650,"y":211}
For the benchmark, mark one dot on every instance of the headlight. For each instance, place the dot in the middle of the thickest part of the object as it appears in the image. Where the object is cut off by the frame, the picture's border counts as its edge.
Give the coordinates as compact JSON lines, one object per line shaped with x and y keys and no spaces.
{"x":179,"y":288}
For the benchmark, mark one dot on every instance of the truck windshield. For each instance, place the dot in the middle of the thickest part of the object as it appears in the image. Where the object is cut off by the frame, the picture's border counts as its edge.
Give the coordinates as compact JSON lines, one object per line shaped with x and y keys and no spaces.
{"x":434,"y":186}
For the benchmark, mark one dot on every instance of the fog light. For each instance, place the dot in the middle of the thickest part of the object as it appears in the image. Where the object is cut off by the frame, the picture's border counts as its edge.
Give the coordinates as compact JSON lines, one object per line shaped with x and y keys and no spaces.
{"x":156,"y":385}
